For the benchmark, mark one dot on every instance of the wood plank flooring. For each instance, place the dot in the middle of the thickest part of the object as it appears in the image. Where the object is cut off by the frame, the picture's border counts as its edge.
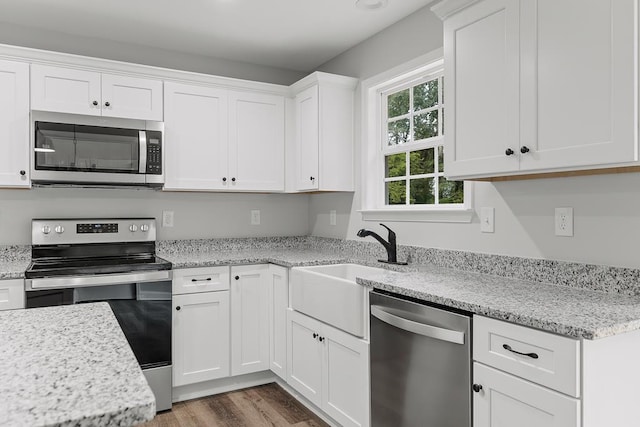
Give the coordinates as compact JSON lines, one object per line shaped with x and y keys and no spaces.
{"x":266,"y":405}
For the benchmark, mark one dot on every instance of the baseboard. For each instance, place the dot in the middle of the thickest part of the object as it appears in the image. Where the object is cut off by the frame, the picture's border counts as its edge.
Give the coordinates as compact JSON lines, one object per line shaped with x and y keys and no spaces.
{"x":222,"y":385}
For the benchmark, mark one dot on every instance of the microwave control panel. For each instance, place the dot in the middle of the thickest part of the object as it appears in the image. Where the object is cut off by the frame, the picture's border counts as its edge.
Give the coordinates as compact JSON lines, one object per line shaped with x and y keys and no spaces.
{"x":154,"y":152}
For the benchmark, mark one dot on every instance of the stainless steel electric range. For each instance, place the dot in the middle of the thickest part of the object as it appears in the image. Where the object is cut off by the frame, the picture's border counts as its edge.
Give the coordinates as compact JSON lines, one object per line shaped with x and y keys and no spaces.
{"x":77,"y":261}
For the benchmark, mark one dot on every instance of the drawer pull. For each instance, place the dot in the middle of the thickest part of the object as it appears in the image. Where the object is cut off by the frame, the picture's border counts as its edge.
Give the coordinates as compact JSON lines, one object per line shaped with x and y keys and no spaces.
{"x":508,"y":348}
{"x":208,"y":279}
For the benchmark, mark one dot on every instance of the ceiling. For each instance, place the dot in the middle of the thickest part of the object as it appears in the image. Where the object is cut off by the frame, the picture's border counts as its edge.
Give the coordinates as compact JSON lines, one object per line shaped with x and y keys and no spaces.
{"x":292,"y":34}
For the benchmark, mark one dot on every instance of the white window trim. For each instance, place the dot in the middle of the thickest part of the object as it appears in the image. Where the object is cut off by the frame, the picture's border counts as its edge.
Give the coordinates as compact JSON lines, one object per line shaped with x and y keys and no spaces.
{"x":371,"y":154}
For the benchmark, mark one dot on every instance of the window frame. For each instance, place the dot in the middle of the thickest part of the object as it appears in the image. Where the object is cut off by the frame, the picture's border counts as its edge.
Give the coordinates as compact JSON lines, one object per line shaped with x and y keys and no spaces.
{"x":373,"y":139}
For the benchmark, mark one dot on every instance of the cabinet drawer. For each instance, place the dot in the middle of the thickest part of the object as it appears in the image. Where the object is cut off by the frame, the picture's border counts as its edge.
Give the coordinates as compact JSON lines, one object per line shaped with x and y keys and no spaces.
{"x":205,"y":279}
{"x":11,"y":294}
{"x":541,"y":357}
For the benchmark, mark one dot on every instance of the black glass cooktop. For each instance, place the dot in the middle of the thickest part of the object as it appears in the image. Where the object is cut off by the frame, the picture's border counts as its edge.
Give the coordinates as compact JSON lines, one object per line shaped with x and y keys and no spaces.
{"x":87,"y":266}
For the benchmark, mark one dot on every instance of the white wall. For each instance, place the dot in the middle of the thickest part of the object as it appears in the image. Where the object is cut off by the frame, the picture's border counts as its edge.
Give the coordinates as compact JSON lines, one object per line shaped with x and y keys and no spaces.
{"x":17,"y":35}
{"x":606,"y":207}
{"x":197,"y":215}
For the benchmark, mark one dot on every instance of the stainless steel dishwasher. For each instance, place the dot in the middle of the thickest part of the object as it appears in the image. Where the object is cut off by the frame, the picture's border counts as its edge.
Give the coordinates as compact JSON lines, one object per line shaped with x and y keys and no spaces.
{"x":420,"y":364}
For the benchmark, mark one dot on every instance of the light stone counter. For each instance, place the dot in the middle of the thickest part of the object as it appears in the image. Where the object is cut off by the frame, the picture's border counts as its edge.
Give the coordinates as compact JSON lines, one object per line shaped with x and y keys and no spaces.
{"x":69,"y":366}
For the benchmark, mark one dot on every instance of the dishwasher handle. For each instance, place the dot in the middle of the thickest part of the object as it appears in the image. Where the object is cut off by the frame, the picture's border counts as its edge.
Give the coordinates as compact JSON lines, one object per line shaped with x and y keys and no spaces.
{"x":456,"y":337}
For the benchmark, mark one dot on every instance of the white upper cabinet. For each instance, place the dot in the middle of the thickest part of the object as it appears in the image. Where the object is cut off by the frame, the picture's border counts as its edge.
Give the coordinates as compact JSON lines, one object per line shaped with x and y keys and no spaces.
{"x":256,"y":141}
{"x":195,"y":139}
{"x":14,"y":124}
{"x":217,"y":139}
{"x":323,"y":147}
{"x":74,"y":91}
{"x":539,"y":85}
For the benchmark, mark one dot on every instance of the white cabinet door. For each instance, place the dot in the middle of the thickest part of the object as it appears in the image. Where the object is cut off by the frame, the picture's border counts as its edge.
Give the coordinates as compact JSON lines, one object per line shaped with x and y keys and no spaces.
{"x":200,"y":337}
{"x":11,"y":294}
{"x":345,"y":383}
{"x":65,"y":90}
{"x":131,"y":97}
{"x":278,"y":304}
{"x":14,"y":124}
{"x":304,"y":364}
{"x":578,"y":82}
{"x":506,"y":400}
{"x":307,"y":139}
{"x":249,"y":319}
{"x":195,"y":138}
{"x":481,"y":48}
{"x":256,"y":141}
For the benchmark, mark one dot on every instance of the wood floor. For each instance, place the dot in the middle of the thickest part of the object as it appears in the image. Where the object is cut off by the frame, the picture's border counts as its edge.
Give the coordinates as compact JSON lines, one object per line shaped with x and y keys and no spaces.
{"x":267,"y":405}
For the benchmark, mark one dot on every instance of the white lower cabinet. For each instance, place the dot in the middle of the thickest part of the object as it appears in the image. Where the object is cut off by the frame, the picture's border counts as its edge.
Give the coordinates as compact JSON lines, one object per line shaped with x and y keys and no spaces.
{"x":200,"y":337}
{"x":330,"y":368}
{"x":249,"y":319}
{"x":506,"y":400}
{"x":11,"y":294}
{"x":278,"y":304}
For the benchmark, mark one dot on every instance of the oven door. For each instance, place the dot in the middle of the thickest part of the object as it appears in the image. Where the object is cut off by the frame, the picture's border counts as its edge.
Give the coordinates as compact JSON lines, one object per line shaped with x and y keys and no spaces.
{"x":77,"y":153}
{"x":140,"y":301}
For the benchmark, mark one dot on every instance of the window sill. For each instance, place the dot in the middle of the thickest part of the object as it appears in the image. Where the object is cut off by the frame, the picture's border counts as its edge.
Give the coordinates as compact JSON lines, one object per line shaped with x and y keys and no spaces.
{"x":423,"y":215}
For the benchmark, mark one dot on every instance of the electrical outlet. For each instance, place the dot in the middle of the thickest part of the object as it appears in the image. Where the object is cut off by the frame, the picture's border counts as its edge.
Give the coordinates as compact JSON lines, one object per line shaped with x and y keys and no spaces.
{"x":564,"y":222}
{"x":255,"y":217}
{"x":167,"y":218}
{"x":487,"y":220}
{"x":332,"y":217}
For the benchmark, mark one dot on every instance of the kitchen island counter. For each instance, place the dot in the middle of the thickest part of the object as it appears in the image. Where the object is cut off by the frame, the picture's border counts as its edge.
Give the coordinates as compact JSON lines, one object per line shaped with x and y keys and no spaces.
{"x":69,"y":366}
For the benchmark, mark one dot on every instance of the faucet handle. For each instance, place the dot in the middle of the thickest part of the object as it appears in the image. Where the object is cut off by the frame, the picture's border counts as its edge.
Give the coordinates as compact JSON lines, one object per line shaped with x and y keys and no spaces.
{"x":392,"y":234}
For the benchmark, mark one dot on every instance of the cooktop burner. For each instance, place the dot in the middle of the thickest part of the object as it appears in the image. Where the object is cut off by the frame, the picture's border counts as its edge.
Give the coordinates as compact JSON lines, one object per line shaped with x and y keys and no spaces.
{"x":48,"y":267}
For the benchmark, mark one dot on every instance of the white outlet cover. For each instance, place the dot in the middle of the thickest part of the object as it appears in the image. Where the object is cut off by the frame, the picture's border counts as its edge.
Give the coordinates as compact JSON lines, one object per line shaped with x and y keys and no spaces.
{"x":255,"y":217}
{"x":332,"y":217}
{"x":564,"y":222}
{"x":167,"y":218}
{"x":487,"y":220}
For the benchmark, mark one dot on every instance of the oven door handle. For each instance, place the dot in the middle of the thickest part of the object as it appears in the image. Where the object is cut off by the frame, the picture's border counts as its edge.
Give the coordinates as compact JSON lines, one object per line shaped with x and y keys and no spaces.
{"x":95,"y":280}
{"x":456,"y":337}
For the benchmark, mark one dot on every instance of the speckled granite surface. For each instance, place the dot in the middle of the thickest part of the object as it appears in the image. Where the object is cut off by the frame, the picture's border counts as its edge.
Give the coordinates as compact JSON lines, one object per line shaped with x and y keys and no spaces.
{"x":69,"y":366}
{"x":14,"y":260}
{"x":554,"y":308}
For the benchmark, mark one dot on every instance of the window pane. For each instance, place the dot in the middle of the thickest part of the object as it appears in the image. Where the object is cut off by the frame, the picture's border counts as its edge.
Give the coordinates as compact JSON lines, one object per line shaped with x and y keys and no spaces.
{"x":451,"y":191}
{"x":441,"y":158}
{"x":442,"y":120}
{"x":421,"y":192}
{"x":395,"y":165}
{"x":425,"y":95}
{"x":425,"y":125}
{"x":398,"y":104}
{"x":398,"y":132}
{"x":442,"y":87}
{"x":421,"y":161}
{"x":396,"y":192}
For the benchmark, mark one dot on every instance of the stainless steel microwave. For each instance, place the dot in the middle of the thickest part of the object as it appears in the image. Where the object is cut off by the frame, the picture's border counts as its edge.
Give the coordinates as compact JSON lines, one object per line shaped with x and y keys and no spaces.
{"x":70,"y":153}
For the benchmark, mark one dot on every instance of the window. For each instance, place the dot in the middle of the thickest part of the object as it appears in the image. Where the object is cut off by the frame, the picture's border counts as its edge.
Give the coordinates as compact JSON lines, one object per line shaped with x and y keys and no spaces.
{"x":403,"y":147}
{"x":413,"y":148}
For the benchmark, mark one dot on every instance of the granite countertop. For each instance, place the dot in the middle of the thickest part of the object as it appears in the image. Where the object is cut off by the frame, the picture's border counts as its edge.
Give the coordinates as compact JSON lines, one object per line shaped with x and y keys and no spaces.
{"x":14,"y":260}
{"x":560,"y":309}
{"x":69,"y":366}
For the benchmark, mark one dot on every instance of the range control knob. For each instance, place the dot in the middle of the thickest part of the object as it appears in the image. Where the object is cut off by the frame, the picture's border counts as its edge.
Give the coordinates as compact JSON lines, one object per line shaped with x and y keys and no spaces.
{"x":59,"y":229}
{"x":46,"y":229}
{"x":133,"y":228}
{"x":144,"y":227}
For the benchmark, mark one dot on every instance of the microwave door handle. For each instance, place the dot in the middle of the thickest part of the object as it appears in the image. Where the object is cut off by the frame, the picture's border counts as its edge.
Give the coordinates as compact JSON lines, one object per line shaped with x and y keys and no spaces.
{"x":142,"y":143}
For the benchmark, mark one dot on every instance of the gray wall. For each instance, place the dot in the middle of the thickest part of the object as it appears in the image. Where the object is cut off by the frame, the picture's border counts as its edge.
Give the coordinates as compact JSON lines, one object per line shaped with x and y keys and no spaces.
{"x":197,"y":215}
{"x":17,"y":35}
{"x":606,"y":207}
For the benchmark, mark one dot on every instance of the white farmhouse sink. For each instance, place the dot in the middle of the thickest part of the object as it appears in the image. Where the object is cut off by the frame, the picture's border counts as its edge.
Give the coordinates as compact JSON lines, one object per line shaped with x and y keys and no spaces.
{"x":330,"y":294}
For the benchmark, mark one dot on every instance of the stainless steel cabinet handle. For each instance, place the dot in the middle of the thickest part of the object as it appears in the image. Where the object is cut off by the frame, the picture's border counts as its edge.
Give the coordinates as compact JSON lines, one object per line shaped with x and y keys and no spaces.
{"x":435,"y":332}
{"x":208,"y":279}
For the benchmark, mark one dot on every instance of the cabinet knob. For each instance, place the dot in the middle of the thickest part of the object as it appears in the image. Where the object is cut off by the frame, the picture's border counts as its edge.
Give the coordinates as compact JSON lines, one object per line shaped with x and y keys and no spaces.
{"x":95,"y":103}
{"x":178,"y":308}
{"x":315,"y":335}
{"x":311,"y":178}
{"x":233,"y":179}
{"x":321,"y":339}
{"x":237,"y":277}
{"x":23,"y":172}
{"x":508,"y":152}
{"x":224,"y":179}
{"x":107,"y":104}
{"x":524,"y":149}
{"x":476,"y":388}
